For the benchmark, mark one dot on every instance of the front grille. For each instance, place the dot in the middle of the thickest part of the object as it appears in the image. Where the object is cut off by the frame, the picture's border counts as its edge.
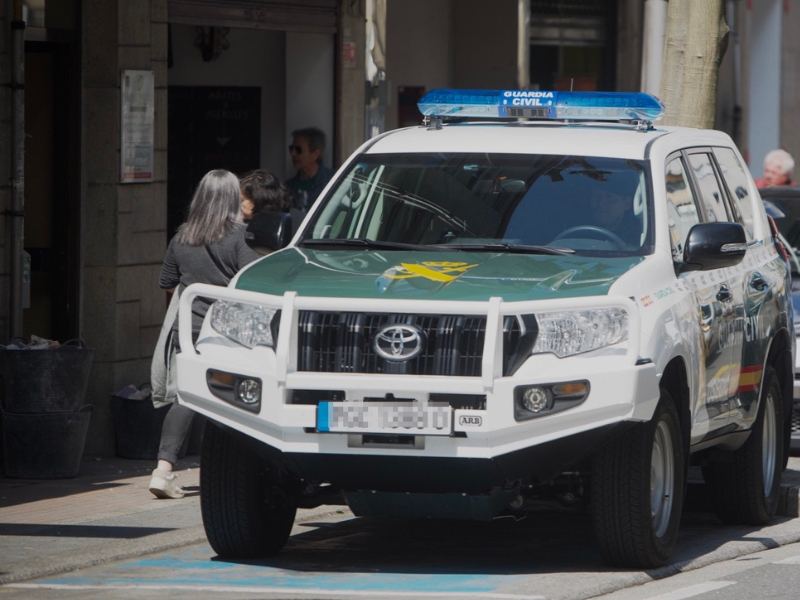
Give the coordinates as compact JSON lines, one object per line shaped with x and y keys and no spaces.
{"x":796,"y":420}
{"x":342,"y":343}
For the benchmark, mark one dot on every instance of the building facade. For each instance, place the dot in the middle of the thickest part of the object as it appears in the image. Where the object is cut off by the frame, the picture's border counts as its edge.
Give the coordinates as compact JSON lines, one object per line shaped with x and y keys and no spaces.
{"x":230,"y":81}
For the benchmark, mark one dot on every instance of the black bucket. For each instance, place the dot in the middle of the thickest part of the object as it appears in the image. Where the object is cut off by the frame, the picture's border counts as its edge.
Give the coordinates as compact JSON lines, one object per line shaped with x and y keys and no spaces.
{"x":52,"y":380}
{"x":137,"y":427}
{"x":44,"y":446}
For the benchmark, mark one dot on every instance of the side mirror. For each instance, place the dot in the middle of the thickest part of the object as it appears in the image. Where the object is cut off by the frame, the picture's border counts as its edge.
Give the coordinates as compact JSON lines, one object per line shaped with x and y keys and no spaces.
{"x":271,"y":230}
{"x":713,"y":246}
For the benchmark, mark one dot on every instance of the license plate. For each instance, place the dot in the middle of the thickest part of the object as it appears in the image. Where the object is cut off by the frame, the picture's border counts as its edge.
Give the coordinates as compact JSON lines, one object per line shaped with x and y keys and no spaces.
{"x":413,"y":418}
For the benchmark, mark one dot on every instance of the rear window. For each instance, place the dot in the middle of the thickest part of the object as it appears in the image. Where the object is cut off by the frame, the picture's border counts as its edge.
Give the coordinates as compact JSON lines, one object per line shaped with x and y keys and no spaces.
{"x":736,"y":180}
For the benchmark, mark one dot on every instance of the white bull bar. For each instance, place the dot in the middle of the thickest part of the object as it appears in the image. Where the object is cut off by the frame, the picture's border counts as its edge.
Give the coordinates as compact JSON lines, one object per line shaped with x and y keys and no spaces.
{"x":494,"y":310}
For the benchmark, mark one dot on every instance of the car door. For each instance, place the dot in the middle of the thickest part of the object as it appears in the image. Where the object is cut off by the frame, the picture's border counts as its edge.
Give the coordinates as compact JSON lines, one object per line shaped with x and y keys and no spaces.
{"x":725,"y":291}
{"x":712,"y":310}
{"x":761,"y":277}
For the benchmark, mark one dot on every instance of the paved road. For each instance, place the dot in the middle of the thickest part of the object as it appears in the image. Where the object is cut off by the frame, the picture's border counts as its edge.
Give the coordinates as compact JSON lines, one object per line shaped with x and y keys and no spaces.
{"x":544,"y":557}
{"x":53,"y":533}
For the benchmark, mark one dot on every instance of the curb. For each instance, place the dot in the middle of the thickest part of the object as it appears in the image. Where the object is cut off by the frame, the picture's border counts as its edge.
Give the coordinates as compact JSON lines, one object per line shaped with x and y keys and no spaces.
{"x":99,"y":554}
{"x":107,"y":552}
{"x":789,"y":501}
{"x":116,"y":550}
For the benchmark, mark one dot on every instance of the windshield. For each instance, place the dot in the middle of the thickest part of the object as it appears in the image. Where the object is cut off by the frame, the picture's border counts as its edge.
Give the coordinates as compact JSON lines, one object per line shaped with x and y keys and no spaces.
{"x":495,"y":202}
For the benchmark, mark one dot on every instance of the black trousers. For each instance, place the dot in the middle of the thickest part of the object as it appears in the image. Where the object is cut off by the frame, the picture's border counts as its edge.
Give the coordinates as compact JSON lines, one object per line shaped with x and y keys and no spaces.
{"x":176,"y":427}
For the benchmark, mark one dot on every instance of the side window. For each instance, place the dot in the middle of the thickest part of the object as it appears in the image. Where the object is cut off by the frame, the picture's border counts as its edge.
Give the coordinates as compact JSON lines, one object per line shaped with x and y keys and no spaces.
{"x":710,"y":193}
{"x":681,"y":206}
{"x":736,"y":178}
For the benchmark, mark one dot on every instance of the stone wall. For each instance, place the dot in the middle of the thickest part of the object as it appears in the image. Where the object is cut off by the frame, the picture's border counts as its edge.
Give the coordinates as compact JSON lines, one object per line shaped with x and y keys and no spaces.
{"x":123,"y":226}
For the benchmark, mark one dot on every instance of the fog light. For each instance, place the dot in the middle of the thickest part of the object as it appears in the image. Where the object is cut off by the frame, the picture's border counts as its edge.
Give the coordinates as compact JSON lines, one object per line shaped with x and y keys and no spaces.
{"x":535,"y":399}
{"x":249,"y":391}
{"x":532,"y":402}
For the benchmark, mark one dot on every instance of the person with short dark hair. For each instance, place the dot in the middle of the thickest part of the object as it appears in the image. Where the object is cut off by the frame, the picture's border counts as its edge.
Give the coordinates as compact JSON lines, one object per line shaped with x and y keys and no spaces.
{"x":264,"y":192}
{"x":312,"y":176}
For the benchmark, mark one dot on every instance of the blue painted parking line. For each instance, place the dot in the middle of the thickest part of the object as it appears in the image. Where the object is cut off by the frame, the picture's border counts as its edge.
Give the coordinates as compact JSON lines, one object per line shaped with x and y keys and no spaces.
{"x":261,"y":590}
{"x":199,"y":569}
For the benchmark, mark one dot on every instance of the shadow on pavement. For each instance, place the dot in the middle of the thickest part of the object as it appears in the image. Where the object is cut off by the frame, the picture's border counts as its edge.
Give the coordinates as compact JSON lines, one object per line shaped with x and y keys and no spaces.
{"x":96,"y":473}
{"x":78,"y":531}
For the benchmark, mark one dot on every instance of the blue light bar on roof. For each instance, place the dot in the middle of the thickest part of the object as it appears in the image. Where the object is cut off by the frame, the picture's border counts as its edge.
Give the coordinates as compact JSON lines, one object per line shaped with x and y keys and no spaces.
{"x":539,"y":104}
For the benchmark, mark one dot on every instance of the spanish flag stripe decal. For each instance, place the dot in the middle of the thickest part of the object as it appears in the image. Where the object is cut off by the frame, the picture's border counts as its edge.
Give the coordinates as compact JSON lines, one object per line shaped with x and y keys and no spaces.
{"x":750,"y":378}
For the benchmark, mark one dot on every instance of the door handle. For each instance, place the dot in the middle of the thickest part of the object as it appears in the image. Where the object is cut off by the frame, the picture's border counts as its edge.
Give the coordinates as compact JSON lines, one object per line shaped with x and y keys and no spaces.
{"x":758,"y":282}
{"x":724,"y":294}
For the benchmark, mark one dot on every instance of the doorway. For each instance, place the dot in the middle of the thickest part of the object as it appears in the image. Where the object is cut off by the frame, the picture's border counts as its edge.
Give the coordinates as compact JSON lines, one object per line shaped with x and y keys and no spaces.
{"x":572,"y":45}
{"x":52,"y":213}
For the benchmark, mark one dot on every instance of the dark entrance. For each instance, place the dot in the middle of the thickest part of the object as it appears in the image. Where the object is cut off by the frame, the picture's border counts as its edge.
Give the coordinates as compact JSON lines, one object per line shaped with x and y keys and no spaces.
{"x":52,"y":188}
{"x":210,"y":127}
{"x":572,"y":45}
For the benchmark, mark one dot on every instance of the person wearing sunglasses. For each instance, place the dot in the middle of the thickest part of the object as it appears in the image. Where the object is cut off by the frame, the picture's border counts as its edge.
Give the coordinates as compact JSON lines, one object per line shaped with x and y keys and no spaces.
{"x":306,"y":151}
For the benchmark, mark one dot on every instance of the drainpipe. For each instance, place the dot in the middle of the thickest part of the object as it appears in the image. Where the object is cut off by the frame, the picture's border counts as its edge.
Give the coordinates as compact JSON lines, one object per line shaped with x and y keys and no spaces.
{"x":730,"y":10}
{"x":655,"y":30}
{"x":17,"y":212}
{"x":523,"y":44}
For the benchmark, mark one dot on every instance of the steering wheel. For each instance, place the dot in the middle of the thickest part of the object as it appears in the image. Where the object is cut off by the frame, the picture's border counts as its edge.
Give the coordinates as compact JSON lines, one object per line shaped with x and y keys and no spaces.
{"x":604,"y":233}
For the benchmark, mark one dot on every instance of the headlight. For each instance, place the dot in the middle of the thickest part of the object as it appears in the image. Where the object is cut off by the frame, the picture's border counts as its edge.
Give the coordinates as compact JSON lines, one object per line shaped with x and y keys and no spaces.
{"x":572,"y":332}
{"x":247,"y":324}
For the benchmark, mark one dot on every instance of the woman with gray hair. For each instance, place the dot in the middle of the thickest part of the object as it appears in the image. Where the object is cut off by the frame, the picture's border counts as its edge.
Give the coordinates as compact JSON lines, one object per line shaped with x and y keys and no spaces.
{"x":208,"y":248}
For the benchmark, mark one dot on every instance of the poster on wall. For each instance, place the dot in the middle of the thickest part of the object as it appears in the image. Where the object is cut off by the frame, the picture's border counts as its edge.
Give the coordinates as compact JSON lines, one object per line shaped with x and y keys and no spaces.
{"x":137,"y":127}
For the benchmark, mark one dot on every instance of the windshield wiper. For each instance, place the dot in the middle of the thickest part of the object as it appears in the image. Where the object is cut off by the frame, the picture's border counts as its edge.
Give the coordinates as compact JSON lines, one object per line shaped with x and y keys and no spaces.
{"x":512,"y":248}
{"x":365,"y":243}
{"x":481,"y":247}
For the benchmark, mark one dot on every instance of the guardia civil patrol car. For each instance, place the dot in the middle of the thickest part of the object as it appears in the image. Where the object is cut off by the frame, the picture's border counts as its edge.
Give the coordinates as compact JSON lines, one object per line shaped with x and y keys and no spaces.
{"x":534,"y":299}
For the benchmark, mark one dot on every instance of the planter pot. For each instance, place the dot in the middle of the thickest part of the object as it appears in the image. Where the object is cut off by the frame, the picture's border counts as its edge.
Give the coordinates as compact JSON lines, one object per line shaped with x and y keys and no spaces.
{"x":45,"y":381}
{"x":44,"y":446}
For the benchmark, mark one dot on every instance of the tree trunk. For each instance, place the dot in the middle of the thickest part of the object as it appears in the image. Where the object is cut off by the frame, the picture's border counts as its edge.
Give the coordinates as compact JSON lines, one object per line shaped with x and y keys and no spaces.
{"x":697,"y":36}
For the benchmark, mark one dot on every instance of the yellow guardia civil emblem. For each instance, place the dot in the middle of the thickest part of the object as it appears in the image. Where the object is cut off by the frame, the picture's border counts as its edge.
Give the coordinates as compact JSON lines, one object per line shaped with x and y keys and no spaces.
{"x":444,"y":272}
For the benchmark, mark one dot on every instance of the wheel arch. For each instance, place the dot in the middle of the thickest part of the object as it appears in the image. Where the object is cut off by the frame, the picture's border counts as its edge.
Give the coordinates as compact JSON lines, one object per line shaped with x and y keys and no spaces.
{"x":779,"y":357}
{"x":675,"y":380}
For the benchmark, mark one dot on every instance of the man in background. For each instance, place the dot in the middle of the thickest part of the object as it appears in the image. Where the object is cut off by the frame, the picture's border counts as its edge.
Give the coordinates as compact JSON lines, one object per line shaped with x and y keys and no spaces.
{"x":306,"y":150}
{"x":778,"y":167}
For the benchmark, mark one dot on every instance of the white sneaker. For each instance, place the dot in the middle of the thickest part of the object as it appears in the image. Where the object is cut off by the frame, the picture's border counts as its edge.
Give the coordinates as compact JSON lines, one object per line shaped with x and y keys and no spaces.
{"x":164,"y":485}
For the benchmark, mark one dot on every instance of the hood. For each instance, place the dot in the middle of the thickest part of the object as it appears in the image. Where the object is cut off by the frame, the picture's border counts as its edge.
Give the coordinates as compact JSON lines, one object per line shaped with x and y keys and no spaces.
{"x":419,"y":275}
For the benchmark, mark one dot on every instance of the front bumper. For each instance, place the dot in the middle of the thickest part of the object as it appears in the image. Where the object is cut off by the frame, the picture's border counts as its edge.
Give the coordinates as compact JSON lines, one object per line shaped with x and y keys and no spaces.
{"x":621,"y":390}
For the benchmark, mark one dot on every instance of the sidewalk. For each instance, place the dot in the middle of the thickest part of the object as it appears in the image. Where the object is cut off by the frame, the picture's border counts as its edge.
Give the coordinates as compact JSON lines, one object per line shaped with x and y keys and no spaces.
{"x":107,"y":514}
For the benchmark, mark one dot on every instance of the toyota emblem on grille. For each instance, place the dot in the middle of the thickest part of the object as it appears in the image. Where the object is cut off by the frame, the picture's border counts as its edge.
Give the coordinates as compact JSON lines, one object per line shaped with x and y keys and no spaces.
{"x":398,"y":342}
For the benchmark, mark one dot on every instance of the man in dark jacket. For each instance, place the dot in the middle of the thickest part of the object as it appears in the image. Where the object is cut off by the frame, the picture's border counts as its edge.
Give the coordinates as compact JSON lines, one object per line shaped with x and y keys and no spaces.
{"x":306,"y":150}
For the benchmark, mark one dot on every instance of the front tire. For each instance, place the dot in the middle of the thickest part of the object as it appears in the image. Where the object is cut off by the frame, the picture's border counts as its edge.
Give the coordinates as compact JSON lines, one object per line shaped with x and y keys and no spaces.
{"x":245,"y":513}
{"x":746,"y":488}
{"x":637,"y":486}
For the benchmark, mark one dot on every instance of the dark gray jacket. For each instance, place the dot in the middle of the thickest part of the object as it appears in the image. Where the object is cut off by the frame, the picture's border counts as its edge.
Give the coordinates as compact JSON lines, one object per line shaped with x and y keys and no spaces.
{"x":185,"y":265}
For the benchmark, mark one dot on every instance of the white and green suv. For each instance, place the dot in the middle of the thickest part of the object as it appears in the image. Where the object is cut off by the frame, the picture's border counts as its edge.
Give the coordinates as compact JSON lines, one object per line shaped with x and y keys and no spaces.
{"x":534,"y":299}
